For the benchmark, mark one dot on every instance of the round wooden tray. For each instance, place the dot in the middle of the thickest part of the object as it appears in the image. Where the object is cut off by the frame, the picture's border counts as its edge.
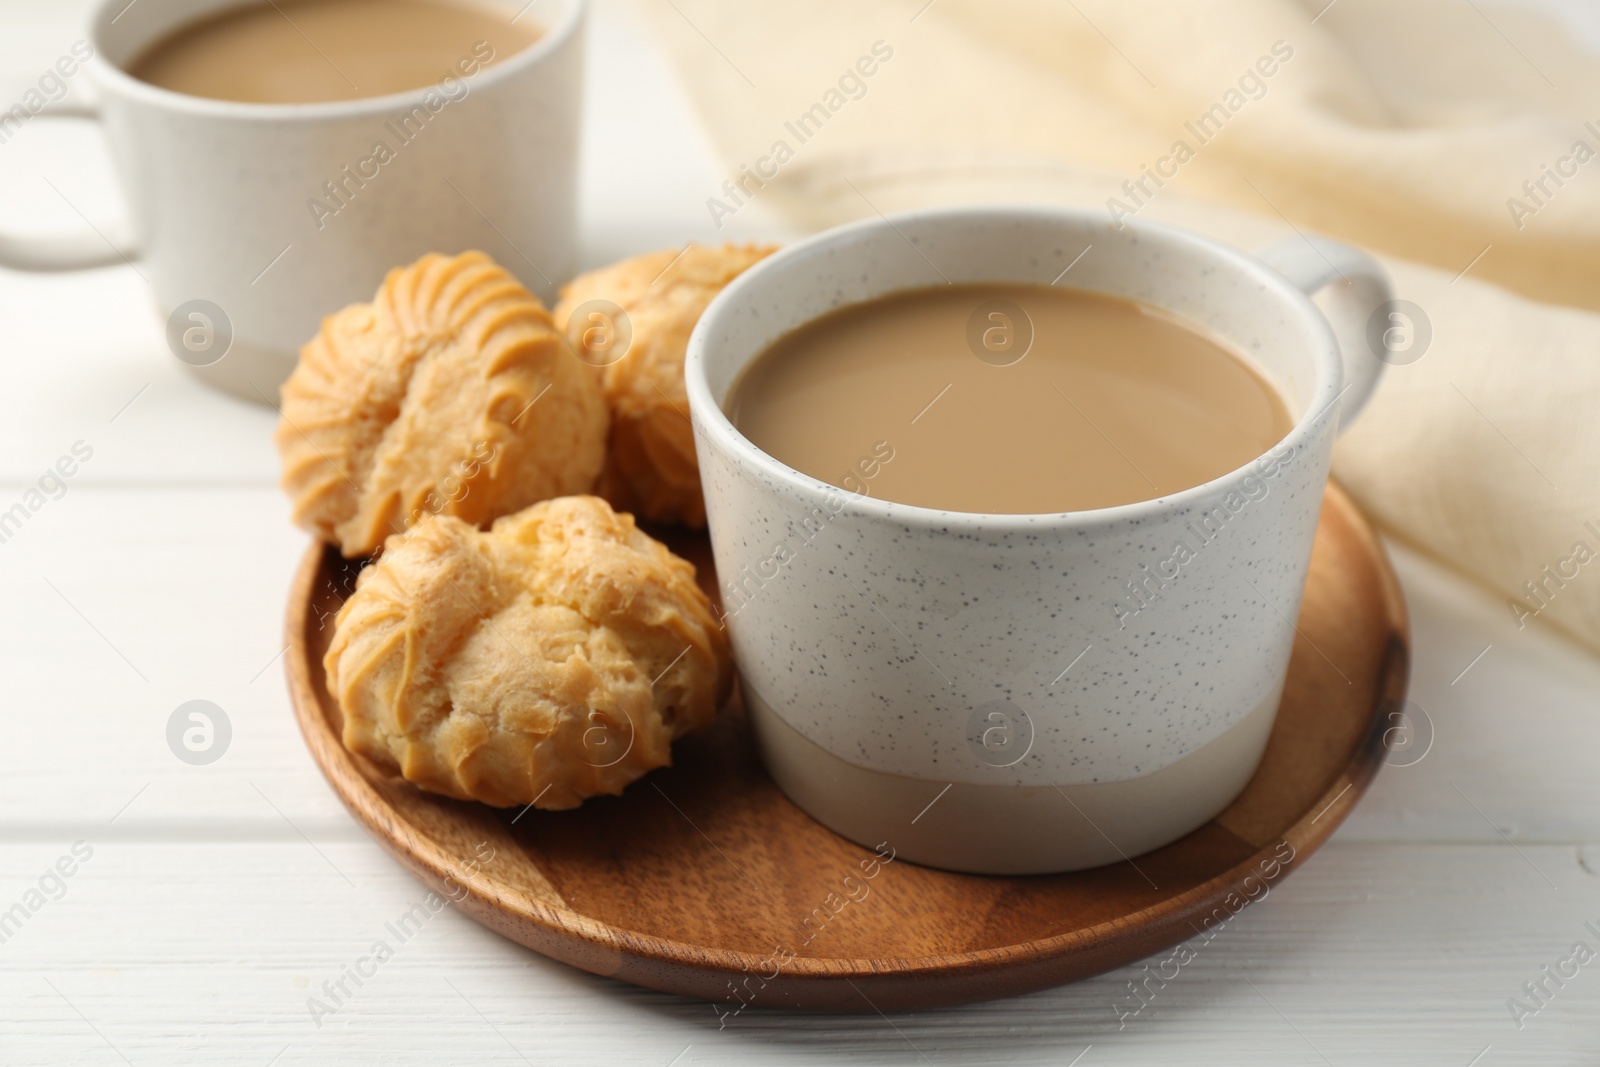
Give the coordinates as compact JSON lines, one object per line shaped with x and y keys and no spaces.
{"x":704,"y":880}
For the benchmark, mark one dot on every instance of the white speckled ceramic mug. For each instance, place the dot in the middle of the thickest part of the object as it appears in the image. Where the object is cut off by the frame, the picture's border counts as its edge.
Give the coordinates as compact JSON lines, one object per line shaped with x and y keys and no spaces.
{"x":223,"y":195}
{"x":1026,"y":693}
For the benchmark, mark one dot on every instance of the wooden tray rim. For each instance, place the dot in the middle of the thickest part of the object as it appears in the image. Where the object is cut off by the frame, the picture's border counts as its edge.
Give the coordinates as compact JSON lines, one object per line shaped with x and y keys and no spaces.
{"x":426,"y":858}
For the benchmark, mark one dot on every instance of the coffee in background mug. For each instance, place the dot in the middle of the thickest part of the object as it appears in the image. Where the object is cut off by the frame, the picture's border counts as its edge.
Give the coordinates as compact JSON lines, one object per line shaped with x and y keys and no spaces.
{"x":314,"y":51}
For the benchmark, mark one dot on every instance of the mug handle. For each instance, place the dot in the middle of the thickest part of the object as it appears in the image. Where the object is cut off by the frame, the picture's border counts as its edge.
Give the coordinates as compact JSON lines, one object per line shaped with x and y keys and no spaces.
{"x":1361,"y":293}
{"x":70,"y":251}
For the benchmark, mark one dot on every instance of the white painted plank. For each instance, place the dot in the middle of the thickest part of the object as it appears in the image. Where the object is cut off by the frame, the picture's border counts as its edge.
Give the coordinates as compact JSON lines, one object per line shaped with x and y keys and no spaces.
{"x":122,"y":604}
{"x":207,"y":953}
{"x":1515,"y":734}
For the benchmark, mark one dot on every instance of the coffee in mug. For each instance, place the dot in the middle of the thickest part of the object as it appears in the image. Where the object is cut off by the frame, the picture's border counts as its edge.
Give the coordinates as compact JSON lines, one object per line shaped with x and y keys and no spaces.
{"x":1008,"y":399}
{"x":312,"y":51}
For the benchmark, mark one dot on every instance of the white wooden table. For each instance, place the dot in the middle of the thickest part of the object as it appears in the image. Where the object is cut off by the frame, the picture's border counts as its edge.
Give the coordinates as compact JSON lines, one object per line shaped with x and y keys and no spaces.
{"x":215,"y":899}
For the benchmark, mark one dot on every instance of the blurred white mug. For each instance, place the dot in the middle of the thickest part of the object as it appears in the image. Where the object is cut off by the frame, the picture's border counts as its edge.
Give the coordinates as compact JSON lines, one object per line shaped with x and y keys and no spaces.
{"x":253,"y":221}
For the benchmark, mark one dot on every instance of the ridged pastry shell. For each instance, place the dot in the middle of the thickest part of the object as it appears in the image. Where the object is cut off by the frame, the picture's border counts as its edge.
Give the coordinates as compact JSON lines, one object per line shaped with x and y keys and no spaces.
{"x":450,"y":393}
{"x":650,"y":466}
{"x":552,"y":658}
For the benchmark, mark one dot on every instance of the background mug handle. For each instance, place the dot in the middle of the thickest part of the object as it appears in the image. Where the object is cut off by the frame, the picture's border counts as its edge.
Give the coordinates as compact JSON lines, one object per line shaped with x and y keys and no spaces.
{"x":1359,"y":294}
{"x":71,"y":251}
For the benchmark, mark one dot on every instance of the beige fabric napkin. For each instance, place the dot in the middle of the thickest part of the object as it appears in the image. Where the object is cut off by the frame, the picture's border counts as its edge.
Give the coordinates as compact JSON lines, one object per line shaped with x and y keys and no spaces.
{"x":1459,"y":140}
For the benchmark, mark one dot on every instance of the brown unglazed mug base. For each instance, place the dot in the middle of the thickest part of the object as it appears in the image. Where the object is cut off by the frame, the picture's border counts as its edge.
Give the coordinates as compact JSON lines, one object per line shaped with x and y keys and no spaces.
{"x":1010,"y":829}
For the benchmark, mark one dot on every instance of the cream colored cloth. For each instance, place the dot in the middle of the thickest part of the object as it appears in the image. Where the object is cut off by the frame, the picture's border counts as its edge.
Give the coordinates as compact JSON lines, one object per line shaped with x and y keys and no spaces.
{"x":1454,"y":139}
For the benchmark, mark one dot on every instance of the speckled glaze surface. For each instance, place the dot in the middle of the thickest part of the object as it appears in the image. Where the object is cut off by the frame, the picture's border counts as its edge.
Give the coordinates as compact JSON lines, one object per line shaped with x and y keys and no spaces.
{"x":1024,"y":650}
{"x":220,"y":193}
